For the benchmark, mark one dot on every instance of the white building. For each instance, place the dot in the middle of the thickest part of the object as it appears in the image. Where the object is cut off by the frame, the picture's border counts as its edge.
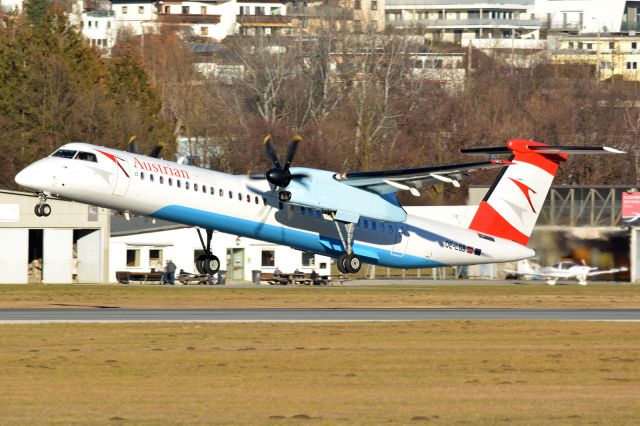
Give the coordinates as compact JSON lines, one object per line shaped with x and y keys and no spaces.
{"x":457,"y":20}
{"x":266,"y":17}
{"x":99,"y":28}
{"x":10,"y":6}
{"x":135,"y":16}
{"x":588,"y":16}
{"x":210,"y":19}
{"x":144,"y":244}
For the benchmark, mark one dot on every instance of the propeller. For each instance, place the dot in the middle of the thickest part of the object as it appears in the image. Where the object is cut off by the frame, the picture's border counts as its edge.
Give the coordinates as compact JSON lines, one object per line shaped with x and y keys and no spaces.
{"x":279,"y":175}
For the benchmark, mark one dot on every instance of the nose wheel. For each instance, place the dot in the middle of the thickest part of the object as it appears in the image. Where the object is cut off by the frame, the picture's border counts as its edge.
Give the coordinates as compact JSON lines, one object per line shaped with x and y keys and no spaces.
{"x":42,"y":209}
{"x":207,"y":263}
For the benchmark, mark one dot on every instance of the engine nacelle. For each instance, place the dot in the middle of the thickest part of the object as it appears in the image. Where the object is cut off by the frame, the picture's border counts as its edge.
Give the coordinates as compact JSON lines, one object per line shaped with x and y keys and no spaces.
{"x":320,"y":190}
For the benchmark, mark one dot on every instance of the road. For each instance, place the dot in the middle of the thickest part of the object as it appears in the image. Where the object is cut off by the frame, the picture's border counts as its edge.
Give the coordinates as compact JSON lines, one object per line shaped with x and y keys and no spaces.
{"x":108,"y":315}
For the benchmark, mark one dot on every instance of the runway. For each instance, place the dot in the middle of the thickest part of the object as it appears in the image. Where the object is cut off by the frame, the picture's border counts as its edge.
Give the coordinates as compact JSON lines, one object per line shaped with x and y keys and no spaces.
{"x":117,"y":315}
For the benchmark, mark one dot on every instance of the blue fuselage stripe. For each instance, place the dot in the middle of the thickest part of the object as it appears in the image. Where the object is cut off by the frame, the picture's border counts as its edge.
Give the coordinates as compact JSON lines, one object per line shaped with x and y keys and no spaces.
{"x":301,"y":240}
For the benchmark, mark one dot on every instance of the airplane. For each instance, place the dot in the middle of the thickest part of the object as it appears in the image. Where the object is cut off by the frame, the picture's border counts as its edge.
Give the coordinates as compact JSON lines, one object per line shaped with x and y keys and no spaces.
{"x":561,"y":270}
{"x":354,"y":217}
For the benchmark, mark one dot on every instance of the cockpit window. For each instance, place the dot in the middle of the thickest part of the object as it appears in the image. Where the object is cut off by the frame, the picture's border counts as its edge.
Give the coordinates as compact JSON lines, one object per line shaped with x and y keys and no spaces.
{"x":64,"y":153}
{"x":86,"y":156}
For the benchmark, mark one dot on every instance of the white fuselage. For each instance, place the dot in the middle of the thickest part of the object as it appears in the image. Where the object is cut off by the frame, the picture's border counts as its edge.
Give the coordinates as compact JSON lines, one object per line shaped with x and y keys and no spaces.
{"x":239,"y":205}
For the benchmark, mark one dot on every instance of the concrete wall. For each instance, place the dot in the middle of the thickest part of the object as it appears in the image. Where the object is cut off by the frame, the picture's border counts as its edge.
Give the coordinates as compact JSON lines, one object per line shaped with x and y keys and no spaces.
{"x":14,"y":252}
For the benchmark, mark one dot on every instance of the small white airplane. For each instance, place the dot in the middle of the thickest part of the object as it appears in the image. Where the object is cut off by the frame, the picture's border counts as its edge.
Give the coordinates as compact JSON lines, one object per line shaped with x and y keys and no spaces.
{"x":354,"y":217}
{"x":561,"y":270}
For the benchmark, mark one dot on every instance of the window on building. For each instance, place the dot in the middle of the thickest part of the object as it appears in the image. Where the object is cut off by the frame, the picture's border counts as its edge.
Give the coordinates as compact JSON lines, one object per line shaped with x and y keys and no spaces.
{"x":141,"y":10}
{"x":308,"y":259}
{"x":612,"y":45}
{"x":634,"y":45}
{"x":167,"y":9}
{"x":88,"y":24}
{"x":268,"y":258}
{"x":155,"y":259}
{"x":259,"y":10}
{"x":204,"y":31}
{"x":357,"y":5}
{"x":133,"y":258}
{"x":374,"y":5}
{"x":185,"y":10}
{"x":419,"y":64}
{"x":124,"y":10}
{"x":108,"y":25}
{"x":580,"y":45}
{"x":275,"y":11}
{"x":570,"y":45}
{"x":589,"y":46}
{"x":203,"y":10}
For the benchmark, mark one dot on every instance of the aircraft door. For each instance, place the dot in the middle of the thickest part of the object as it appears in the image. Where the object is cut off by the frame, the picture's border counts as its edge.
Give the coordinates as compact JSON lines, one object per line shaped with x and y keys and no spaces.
{"x":402,"y":240}
{"x":123,"y":176}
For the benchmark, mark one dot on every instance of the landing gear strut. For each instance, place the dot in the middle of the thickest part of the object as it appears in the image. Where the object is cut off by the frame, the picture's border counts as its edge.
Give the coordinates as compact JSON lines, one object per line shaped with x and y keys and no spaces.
{"x":347,"y":263}
{"x":207,"y":263}
{"x":42,"y":209}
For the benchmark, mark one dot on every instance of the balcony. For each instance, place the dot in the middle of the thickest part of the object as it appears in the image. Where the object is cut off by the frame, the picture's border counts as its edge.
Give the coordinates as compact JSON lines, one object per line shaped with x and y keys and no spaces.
{"x":500,"y":4}
{"x":184,"y":18}
{"x":319,"y":12}
{"x":467,"y":23}
{"x":263,"y":20}
{"x":630,"y":26}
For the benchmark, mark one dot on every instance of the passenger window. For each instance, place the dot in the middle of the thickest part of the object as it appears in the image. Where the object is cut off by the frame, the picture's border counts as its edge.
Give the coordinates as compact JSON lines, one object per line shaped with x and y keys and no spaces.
{"x":366,"y":224}
{"x":230,"y":194}
{"x":151,"y":177}
{"x":240,"y":196}
{"x":141,"y":175}
{"x":373,"y":226}
{"x":87,"y":156}
{"x":195,"y":186}
{"x":161,"y":179}
{"x":186,"y":185}
{"x":221,"y":192}
{"x":170,"y":181}
{"x":382,"y":227}
{"x":212,"y":191}
{"x":178,"y":183}
{"x":264,"y":201}
{"x":248,"y":198}
{"x":204,"y":189}
{"x":257,"y":200}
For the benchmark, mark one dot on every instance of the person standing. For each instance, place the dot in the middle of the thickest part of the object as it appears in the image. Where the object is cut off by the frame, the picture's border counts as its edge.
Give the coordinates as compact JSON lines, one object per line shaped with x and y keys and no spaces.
{"x":170,"y":277}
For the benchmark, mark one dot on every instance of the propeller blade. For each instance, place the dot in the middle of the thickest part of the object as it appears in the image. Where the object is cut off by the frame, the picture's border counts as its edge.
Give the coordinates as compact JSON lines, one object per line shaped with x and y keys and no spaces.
{"x":271,"y":152}
{"x":257,"y":177}
{"x":291,"y":152}
{"x":132,"y":144}
{"x":156,"y":150}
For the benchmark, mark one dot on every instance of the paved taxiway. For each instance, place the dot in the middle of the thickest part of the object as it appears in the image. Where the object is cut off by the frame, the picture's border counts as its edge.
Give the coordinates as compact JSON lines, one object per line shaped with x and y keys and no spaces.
{"x":106,"y":314}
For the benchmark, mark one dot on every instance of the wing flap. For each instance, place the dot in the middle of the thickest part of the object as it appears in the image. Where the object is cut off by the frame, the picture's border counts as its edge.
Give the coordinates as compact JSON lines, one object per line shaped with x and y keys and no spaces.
{"x":389,"y":181}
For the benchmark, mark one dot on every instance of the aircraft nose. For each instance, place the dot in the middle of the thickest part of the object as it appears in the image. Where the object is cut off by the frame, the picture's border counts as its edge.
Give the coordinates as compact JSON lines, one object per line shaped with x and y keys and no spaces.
{"x":28,"y":177}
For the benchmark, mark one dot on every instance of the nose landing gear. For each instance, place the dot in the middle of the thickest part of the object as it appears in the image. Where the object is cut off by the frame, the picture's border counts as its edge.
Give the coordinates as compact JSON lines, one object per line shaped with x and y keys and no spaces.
{"x":349,"y":262}
{"x":42,"y":209}
{"x":207,"y":263}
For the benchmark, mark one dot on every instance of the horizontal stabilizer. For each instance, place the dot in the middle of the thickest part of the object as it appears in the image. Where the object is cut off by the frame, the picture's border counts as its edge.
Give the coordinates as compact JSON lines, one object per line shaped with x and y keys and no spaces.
{"x":551,"y":149}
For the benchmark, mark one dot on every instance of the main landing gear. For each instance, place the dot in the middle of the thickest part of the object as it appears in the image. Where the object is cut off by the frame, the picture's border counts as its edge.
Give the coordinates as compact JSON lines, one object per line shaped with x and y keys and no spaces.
{"x":207,"y":263}
{"x":42,"y":209}
{"x":347,"y":263}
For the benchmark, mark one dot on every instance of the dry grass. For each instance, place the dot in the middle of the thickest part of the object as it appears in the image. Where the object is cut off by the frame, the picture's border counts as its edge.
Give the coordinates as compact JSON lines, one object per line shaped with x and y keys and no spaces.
{"x":434,"y":296}
{"x":482,"y":372}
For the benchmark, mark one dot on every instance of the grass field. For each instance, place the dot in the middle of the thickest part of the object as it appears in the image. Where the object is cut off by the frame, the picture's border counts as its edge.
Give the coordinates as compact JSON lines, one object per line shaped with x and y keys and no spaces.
{"x":452,"y":372}
{"x":435,"y":295}
{"x":435,"y":372}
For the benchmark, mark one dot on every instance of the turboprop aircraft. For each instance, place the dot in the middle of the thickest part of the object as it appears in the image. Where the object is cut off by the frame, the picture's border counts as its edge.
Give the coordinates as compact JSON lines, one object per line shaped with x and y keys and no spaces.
{"x":354,"y":217}
{"x":561,"y":270}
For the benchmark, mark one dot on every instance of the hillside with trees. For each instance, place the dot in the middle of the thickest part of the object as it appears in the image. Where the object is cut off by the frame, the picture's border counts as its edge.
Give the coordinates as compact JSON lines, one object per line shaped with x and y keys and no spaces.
{"x":354,"y":98}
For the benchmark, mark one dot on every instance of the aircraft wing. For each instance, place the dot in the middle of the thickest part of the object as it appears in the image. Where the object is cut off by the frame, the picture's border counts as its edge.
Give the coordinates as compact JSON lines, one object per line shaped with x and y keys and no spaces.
{"x":388,"y":181}
{"x":608,"y":271}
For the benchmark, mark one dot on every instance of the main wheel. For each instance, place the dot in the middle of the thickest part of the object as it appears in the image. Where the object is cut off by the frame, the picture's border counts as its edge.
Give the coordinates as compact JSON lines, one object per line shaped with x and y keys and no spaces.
{"x":353,"y":263}
{"x":45,"y":210}
{"x":341,"y":263}
{"x":200,"y":263}
{"x":211,"y":264}
{"x":37,"y":210}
